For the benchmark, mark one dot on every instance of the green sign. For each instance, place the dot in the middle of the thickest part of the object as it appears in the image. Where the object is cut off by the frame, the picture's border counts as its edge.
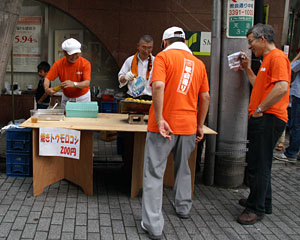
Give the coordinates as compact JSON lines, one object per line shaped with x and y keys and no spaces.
{"x":240,"y":15}
{"x":239,"y":25}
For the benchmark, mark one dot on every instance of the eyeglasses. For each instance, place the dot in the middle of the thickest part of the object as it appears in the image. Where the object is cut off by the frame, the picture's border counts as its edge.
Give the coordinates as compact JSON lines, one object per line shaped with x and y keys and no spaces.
{"x":250,"y":41}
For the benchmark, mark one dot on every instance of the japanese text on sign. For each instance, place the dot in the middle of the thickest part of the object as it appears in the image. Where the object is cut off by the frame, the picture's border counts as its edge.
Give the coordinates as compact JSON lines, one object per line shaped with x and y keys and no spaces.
{"x":59,"y":142}
{"x":26,"y":44}
{"x":240,"y":15}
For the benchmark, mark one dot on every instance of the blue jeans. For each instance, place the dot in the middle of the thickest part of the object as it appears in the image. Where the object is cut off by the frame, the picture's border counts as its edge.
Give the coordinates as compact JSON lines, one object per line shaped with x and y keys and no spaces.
{"x":294,"y":145}
{"x":263,"y":133}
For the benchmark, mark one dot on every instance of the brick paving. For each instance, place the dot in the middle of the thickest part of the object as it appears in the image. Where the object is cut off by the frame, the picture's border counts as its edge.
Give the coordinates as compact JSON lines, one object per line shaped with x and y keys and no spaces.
{"x":63,"y":211}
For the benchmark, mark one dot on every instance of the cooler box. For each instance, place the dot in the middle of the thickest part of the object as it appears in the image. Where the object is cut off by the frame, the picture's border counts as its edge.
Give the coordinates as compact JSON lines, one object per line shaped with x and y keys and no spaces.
{"x":82,"y":109}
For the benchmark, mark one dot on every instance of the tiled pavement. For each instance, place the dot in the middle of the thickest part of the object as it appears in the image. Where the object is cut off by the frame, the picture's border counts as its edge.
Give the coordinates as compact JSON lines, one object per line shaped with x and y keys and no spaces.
{"x":63,"y":211}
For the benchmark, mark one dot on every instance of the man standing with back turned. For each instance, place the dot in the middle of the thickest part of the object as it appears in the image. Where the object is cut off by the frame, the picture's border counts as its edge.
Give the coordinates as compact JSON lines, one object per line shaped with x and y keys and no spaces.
{"x":180,"y":103}
{"x":267,"y":119}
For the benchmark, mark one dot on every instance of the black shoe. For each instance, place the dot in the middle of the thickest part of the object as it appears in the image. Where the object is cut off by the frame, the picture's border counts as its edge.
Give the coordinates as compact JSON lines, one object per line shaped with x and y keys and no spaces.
{"x":151,"y":236}
{"x":181,"y":215}
{"x":243,"y":203}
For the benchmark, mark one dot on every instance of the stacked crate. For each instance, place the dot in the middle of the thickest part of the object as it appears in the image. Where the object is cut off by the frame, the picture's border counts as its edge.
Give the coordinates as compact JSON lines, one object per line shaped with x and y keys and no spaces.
{"x":108,"y":106}
{"x":19,"y":152}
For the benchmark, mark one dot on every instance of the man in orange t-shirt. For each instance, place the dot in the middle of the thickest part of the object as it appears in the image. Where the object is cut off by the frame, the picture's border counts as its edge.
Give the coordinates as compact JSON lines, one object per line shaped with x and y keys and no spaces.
{"x":180,"y":104}
{"x":73,"y":71}
{"x":267,"y":119}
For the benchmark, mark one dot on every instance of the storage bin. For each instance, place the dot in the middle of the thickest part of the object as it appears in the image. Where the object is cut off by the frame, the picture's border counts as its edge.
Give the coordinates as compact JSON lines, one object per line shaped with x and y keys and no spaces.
{"x":108,"y":106}
{"x":19,"y":152}
{"x":18,"y":134}
{"x":18,"y":158}
{"x":18,"y":139}
{"x":82,"y":109}
{"x":18,"y":145}
{"x":18,"y":170}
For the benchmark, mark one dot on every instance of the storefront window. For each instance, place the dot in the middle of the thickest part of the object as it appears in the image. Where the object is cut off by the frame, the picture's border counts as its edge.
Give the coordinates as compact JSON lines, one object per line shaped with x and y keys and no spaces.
{"x":39,"y":34}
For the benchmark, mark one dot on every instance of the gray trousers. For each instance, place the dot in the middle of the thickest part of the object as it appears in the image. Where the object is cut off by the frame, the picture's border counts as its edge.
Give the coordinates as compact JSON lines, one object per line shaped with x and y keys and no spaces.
{"x":157,"y":151}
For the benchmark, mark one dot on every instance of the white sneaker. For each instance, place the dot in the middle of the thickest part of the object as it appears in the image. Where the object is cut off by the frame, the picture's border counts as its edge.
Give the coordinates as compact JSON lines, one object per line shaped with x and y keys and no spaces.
{"x":283,"y":157}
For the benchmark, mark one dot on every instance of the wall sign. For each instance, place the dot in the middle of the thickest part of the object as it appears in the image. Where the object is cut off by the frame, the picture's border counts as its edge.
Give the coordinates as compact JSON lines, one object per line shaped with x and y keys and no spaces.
{"x":27,"y":44}
{"x":199,"y":42}
{"x":240,"y":15}
{"x":59,"y":142}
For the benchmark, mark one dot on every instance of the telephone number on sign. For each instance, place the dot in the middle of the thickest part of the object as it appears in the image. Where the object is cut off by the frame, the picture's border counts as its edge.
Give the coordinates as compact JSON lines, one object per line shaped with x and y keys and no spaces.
{"x":236,"y":12}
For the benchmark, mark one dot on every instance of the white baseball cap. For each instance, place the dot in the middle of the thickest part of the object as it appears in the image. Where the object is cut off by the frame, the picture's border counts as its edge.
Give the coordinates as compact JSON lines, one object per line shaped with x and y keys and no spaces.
{"x":71,"y":46}
{"x":173,"y":32}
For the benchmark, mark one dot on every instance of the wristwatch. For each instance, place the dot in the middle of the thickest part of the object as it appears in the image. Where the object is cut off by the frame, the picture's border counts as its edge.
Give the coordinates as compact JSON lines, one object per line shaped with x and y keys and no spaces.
{"x":75,"y":84}
{"x":258,"y":110}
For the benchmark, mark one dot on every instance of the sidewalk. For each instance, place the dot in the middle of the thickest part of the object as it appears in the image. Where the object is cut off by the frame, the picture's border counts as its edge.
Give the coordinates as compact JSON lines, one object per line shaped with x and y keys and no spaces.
{"x":63,"y":211}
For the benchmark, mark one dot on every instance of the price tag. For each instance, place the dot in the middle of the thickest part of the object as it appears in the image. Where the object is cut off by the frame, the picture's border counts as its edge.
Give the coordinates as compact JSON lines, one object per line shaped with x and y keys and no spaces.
{"x":59,"y":142}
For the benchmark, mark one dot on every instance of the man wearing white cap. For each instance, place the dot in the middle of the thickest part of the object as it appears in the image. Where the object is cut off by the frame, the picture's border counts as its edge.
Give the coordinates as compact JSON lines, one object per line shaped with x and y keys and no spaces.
{"x":73,"y":71}
{"x":176,"y":118}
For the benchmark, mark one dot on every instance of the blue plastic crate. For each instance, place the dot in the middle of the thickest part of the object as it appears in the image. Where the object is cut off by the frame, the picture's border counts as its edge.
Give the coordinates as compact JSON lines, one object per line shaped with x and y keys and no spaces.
{"x":18,"y":145}
{"x":19,"y":134}
{"x":18,"y":170}
{"x":18,"y":158}
{"x":18,"y":139}
{"x":108,"y":106}
{"x":82,"y":109}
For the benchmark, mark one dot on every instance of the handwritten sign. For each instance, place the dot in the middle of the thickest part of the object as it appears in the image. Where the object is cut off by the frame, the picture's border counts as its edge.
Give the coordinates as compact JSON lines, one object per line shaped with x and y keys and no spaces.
{"x":59,"y":142}
{"x":240,"y":15}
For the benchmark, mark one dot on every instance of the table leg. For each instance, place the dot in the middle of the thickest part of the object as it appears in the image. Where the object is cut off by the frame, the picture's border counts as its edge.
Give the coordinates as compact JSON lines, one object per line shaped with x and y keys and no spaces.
{"x":80,"y":171}
{"x":46,"y":170}
{"x":137,"y":163}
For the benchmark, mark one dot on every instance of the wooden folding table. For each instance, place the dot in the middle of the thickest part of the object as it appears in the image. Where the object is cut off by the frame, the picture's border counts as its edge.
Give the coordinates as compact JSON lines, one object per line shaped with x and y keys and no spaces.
{"x":48,"y":170}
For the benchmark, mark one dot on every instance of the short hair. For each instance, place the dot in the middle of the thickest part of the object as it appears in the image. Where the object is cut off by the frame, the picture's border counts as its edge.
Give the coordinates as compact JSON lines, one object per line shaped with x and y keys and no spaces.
{"x":44,"y":66}
{"x":262,"y":30}
{"x":146,"y":38}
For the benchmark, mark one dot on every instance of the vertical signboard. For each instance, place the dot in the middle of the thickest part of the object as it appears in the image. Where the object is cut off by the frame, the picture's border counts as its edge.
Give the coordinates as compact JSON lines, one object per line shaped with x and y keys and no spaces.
{"x":240,"y":16}
{"x":27,"y":44}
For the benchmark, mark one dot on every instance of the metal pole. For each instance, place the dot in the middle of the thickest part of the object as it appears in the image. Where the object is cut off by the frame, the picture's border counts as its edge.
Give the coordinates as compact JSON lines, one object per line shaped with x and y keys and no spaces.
{"x":212,"y":117}
{"x":233,"y":114}
{"x":12,"y":84}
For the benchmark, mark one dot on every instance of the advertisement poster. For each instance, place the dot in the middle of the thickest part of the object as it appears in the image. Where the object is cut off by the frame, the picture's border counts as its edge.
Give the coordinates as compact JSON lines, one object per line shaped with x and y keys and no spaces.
{"x":199,"y":42}
{"x":27,"y":44}
{"x":59,"y":142}
{"x":240,"y":16}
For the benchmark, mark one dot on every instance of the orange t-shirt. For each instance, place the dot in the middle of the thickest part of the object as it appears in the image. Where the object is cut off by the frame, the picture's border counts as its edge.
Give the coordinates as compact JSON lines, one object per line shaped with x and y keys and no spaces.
{"x":275,"y":67}
{"x":76,"y":72}
{"x":185,"y":77}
